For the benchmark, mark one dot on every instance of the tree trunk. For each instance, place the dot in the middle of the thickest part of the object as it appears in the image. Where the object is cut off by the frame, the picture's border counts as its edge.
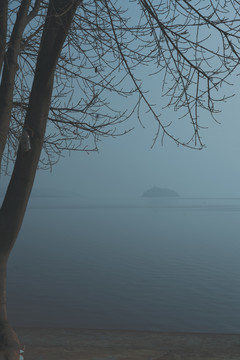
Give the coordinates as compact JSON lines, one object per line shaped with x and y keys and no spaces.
{"x":3,"y":30}
{"x":58,"y":21}
{"x":9,"y":71}
{"x":9,"y":343}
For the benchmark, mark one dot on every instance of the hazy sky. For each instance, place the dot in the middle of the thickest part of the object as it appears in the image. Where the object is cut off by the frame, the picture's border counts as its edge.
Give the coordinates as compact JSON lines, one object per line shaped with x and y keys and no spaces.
{"x":127,"y":166}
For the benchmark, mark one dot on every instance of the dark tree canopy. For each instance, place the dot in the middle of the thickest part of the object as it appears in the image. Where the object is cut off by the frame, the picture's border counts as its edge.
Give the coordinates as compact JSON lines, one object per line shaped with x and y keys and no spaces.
{"x":191,"y":46}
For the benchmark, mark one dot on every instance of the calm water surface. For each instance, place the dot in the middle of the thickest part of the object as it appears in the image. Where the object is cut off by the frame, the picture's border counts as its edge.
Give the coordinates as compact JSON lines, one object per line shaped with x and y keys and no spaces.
{"x":139,"y":264}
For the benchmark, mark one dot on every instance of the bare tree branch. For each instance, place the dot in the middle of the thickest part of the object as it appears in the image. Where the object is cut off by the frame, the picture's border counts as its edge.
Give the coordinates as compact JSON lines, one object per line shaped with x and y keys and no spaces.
{"x":192,"y":48}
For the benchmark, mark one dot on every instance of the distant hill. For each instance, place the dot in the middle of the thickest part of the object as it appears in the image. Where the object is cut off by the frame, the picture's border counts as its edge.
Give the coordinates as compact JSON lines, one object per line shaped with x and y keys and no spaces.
{"x":160,"y":193}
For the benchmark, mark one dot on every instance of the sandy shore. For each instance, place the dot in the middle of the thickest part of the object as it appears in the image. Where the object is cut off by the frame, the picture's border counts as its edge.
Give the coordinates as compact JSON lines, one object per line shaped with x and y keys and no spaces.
{"x":74,"y":344}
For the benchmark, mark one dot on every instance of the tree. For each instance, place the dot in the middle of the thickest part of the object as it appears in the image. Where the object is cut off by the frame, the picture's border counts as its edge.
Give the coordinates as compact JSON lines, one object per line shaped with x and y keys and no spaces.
{"x":64,"y":63}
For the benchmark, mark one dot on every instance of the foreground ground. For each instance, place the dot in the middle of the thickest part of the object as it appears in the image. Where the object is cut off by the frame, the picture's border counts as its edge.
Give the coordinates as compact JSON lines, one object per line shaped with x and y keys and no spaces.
{"x":74,"y":344}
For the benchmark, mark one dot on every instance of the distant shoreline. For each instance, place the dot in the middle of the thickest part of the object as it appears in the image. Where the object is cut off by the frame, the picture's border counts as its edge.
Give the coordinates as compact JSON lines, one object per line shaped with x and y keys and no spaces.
{"x":187,"y":204}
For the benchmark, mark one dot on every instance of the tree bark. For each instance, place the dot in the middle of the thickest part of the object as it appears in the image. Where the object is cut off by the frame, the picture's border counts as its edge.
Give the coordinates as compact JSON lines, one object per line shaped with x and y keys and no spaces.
{"x":9,"y":72}
{"x":3,"y":30}
{"x":9,"y":343}
{"x":58,"y":21}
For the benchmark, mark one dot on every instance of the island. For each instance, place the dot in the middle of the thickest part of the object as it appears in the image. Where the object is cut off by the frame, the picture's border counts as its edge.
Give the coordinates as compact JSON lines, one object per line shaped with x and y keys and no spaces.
{"x":156,"y":192}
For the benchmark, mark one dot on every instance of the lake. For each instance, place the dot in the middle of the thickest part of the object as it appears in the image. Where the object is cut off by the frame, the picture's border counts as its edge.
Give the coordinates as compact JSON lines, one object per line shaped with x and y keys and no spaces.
{"x":137,"y":264}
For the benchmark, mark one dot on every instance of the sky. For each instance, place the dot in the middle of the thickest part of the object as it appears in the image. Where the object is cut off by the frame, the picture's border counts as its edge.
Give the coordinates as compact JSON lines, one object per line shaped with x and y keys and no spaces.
{"x":127,"y":166}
